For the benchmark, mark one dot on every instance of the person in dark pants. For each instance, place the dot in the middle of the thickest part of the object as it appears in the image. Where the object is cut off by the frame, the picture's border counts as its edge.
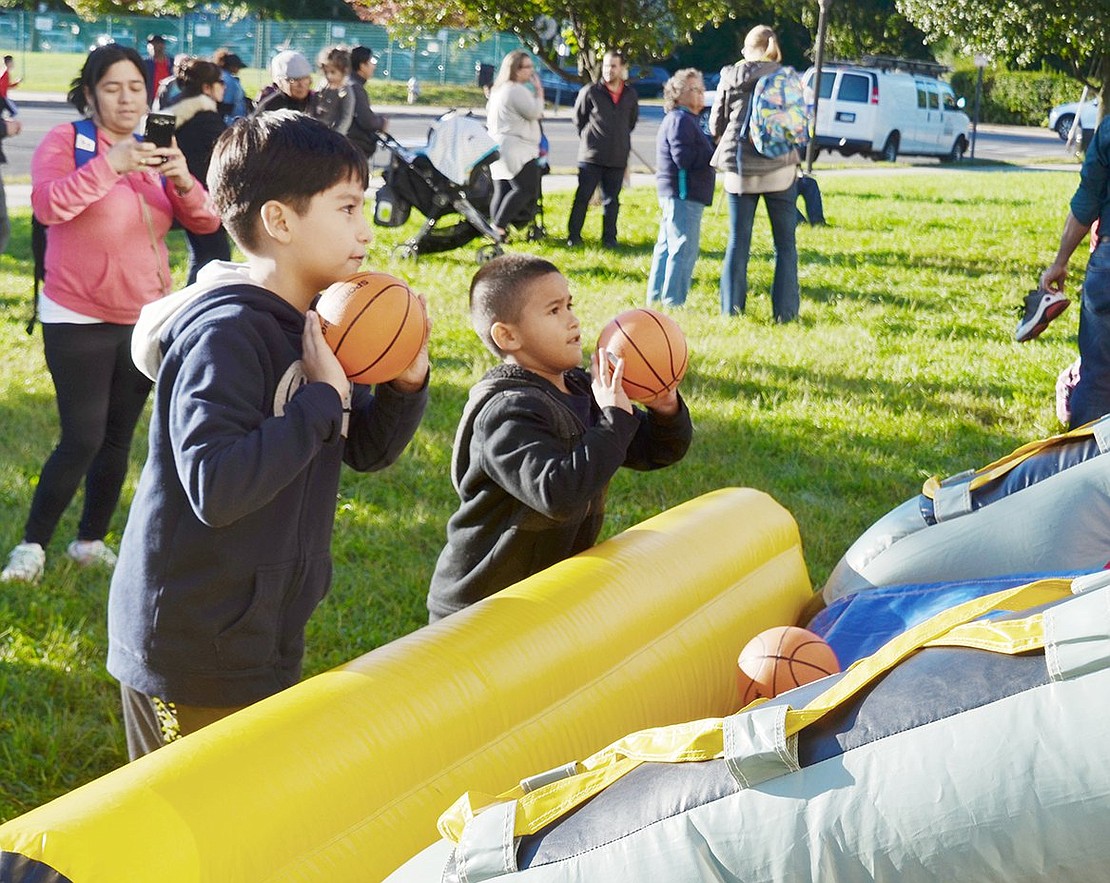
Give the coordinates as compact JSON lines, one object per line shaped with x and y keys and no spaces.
{"x":605,"y":114}
{"x":365,"y":124}
{"x":199,"y":124}
{"x":7,"y":129}
{"x":105,"y":258}
{"x":1091,"y":397}
{"x":810,"y":194}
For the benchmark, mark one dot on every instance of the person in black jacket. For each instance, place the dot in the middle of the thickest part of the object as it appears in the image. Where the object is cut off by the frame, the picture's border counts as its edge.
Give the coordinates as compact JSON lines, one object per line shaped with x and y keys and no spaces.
{"x":605,"y":114}
{"x":366,"y":124}
{"x":199,"y":125}
{"x":226,"y":552}
{"x":539,"y":439}
{"x":7,"y":129}
{"x":291,"y":88}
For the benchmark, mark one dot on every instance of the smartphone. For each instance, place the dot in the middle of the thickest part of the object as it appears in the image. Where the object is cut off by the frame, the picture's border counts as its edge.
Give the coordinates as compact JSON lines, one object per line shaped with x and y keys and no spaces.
{"x":158,"y":129}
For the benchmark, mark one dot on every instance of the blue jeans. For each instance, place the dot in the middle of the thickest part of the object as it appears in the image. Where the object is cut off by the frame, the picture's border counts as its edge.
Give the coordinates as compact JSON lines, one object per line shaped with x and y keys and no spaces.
{"x":1091,"y":397}
{"x":676,"y":251}
{"x":782,"y":210}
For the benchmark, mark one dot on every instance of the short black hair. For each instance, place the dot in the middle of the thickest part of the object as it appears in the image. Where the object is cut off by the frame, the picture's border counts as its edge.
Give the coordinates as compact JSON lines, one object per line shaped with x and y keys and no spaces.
{"x":360,"y":55}
{"x":498,"y":292}
{"x":281,"y":155}
{"x":96,"y":66}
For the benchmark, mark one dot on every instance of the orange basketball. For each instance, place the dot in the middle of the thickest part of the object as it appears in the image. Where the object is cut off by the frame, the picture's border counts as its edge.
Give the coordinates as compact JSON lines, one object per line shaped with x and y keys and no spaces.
{"x":653,"y":348}
{"x":781,"y":658}
{"x":374,"y":324}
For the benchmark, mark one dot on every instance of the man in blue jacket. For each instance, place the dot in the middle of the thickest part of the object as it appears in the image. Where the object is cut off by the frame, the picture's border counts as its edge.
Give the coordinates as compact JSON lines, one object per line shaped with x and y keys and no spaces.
{"x":605,"y":114}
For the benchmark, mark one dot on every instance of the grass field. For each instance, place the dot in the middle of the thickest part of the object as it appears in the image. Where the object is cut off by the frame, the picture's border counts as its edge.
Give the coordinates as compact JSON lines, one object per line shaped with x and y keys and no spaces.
{"x":55,"y":72}
{"x":902,"y":365}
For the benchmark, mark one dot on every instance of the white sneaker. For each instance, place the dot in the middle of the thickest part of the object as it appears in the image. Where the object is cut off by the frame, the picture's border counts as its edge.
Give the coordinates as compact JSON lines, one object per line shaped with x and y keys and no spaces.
{"x":25,"y":564}
{"x":87,"y":552}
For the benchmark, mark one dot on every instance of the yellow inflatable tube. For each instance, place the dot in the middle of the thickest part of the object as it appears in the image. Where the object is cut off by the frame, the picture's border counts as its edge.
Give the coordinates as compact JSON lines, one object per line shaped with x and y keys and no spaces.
{"x":342,"y":777}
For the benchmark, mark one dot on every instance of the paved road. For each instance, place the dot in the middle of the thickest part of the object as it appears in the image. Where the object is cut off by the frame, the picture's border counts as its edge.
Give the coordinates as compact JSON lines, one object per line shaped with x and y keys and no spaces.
{"x":1016,"y":144}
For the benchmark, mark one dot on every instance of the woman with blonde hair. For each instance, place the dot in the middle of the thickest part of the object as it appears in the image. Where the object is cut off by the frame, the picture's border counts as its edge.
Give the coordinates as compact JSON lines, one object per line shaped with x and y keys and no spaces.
{"x":513,"y":119}
{"x":748,"y":175}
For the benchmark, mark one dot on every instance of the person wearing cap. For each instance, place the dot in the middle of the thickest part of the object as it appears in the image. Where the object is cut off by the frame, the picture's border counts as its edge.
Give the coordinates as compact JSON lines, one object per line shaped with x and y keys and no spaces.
{"x":235,"y":103}
{"x":366,"y":124}
{"x":158,"y":65}
{"x":292,"y":75}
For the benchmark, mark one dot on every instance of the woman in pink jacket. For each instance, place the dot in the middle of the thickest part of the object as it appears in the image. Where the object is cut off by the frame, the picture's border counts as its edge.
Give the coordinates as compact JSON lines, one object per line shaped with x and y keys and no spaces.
{"x":105,"y":258}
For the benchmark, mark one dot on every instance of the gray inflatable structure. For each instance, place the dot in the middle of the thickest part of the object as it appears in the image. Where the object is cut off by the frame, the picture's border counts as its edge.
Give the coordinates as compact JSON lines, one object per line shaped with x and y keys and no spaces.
{"x":1049,"y":513}
{"x":955,"y":764}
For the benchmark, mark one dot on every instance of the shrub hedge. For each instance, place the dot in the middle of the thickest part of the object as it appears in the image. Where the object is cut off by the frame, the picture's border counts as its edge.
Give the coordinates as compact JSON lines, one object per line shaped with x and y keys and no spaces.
{"x":1015,"y":97}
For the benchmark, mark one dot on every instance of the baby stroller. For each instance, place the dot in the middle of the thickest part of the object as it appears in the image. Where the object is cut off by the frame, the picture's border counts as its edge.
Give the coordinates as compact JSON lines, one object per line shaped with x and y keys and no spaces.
{"x":447,"y":179}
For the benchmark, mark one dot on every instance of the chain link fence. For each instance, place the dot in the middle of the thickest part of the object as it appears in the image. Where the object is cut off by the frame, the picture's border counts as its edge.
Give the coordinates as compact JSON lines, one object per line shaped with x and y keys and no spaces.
{"x":446,"y":56}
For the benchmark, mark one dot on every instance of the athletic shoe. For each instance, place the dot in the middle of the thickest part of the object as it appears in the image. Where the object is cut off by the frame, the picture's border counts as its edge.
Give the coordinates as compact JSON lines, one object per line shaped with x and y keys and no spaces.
{"x":1041,"y":307}
{"x":25,"y":564}
{"x":88,"y":552}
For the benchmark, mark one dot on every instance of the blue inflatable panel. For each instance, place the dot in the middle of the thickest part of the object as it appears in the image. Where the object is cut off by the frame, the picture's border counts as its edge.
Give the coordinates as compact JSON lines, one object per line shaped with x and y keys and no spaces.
{"x":857,"y":625}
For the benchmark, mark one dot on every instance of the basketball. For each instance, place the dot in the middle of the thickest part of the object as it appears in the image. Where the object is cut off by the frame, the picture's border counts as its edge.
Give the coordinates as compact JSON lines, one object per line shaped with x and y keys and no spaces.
{"x":653,"y":348}
{"x":374,"y":324}
{"x":781,"y":658}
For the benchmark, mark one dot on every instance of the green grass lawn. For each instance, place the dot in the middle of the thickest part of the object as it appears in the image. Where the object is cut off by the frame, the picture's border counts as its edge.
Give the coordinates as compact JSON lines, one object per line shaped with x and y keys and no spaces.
{"x":902,"y":365}
{"x":55,"y":72}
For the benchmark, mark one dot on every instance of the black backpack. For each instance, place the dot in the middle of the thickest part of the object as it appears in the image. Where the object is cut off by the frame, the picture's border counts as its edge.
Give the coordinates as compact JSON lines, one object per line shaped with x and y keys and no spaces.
{"x":84,"y":149}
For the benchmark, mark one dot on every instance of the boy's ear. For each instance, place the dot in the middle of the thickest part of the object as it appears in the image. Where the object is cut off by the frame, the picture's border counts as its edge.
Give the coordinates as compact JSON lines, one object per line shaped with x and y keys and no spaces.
{"x":505,"y":337}
{"x":276,"y":218}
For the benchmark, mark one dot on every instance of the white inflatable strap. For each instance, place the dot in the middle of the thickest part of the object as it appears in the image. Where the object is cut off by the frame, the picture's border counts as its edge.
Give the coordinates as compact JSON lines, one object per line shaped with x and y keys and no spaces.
{"x":488,"y":849}
{"x":934,"y":486}
{"x":951,"y":501}
{"x":757,"y":747}
{"x":1077,"y":636}
{"x":1101,"y":432}
{"x":759,"y":743}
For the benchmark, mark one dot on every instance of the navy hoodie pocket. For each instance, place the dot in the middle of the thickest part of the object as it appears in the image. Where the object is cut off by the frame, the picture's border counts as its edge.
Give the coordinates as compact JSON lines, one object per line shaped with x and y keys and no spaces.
{"x":252,"y":640}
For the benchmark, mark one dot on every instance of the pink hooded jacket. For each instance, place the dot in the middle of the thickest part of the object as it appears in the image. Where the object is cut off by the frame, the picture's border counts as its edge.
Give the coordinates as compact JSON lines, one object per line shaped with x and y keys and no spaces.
{"x":105,"y":256}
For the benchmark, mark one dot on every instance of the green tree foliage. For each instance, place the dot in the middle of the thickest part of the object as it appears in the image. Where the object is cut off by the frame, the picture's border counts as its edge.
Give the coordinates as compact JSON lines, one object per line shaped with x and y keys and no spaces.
{"x":642,"y":29}
{"x":1069,"y":35}
{"x":868,"y":27}
{"x":281,"y":10}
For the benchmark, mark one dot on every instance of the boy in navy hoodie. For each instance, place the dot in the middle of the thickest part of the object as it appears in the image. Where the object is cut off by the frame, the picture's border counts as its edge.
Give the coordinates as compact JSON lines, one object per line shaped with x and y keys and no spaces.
{"x":226,"y":552}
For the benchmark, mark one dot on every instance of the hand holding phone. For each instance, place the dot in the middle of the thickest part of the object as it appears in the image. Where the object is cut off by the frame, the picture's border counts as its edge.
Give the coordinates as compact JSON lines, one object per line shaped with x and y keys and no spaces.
{"x":159,"y":128}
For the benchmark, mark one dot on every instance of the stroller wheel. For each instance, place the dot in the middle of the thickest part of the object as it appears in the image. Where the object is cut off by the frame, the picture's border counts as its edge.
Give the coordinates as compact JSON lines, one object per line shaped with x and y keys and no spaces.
{"x":488,"y":252}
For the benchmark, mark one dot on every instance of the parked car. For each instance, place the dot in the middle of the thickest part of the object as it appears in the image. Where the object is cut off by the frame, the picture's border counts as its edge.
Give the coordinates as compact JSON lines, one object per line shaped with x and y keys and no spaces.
{"x":1061,"y":118}
{"x":883,"y":110}
{"x":556,"y":89}
{"x":647,"y":79}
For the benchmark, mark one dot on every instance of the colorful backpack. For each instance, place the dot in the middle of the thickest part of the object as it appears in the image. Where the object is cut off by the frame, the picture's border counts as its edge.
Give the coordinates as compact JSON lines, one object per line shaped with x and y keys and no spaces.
{"x":779,"y":120}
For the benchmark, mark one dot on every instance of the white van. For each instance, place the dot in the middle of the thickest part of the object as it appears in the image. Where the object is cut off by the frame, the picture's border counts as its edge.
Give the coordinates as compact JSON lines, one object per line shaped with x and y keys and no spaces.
{"x":888,"y":107}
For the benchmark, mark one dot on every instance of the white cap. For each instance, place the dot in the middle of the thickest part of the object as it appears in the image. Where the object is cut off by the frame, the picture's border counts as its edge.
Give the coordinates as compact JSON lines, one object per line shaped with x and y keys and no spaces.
{"x":289,"y":65}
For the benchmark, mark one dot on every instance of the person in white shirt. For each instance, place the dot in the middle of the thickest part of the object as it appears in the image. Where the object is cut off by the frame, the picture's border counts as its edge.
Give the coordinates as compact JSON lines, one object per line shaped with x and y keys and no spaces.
{"x":513,"y":119}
